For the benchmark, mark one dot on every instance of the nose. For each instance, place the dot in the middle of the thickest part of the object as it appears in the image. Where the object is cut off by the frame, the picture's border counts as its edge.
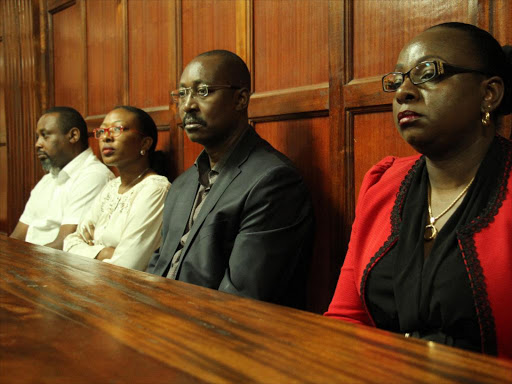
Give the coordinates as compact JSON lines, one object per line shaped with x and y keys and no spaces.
{"x":38,"y":143}
{"x":406,"y":92}
{"x":189,"y":103}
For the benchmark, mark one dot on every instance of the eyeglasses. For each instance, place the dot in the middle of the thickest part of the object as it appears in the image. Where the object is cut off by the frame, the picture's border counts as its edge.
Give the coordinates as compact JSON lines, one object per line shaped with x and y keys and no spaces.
{"x":99,"y":133}
{"x":423,"y":72}
{"x":179,"y":95}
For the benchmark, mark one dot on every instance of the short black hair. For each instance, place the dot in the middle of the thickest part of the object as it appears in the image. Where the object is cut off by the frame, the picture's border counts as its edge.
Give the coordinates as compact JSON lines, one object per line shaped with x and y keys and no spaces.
{"x":492,"y":58}
{"x":68,"y":118}
{"x":238,"y":70}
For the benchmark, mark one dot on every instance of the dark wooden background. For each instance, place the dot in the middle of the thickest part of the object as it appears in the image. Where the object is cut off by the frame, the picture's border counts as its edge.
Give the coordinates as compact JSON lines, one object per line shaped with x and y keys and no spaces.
{"x":315,"y":64}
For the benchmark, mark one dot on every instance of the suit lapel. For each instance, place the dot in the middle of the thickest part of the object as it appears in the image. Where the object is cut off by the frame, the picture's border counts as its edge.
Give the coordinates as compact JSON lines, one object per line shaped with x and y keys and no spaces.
{"x":180,"y":211}
{"x":230,"y":171}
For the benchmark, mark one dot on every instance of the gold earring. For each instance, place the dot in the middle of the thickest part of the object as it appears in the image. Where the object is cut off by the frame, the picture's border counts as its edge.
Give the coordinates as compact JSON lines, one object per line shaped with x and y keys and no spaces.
{"x":486,"y":119}
{"x":142,"y":152}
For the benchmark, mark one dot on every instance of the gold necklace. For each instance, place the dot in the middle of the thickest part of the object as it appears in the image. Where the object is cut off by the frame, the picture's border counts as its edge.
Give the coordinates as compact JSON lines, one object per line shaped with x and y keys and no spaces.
{"x":430,"y":229}
{"x":135,"y":180}
{"x":119,"y":198}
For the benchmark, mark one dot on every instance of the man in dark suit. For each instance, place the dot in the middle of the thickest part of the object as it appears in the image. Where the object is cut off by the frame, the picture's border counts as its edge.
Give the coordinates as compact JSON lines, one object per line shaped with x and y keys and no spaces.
{"x":240,"y":220}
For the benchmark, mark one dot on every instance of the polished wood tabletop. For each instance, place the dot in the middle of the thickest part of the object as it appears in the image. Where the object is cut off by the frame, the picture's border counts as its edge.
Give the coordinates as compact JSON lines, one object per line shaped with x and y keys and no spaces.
{"x":68,"y":319}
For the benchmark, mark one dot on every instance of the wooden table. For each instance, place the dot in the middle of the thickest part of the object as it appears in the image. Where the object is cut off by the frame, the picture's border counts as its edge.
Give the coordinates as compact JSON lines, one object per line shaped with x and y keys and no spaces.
{"x":68,"y":319}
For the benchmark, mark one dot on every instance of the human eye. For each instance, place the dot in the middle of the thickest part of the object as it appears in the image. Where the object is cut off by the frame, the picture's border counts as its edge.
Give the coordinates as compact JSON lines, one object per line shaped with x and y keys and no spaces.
{"x":202,"y":90}
{"x":116,"y":129}
{"x":392,"y":81}
{"x":182,"y":93}
{"x":425,"y":72}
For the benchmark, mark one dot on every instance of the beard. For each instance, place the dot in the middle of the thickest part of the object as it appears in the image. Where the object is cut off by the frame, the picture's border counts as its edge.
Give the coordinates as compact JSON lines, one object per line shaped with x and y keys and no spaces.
{"x":48,"y":166}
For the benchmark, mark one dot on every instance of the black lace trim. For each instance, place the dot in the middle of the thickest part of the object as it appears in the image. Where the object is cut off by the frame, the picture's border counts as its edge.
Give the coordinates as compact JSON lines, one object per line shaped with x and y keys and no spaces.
{"x":396,"y":219}
{"x":467,"y":243}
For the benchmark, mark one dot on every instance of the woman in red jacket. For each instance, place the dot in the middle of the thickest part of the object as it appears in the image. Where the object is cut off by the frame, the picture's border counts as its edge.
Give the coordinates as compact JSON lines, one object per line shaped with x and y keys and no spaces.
{"x":430,"y":254}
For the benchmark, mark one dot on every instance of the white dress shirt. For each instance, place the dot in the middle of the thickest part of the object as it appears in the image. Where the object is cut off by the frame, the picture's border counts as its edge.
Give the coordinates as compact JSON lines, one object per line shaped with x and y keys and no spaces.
{"x":130,"y":222}
{"x":63,"y":198}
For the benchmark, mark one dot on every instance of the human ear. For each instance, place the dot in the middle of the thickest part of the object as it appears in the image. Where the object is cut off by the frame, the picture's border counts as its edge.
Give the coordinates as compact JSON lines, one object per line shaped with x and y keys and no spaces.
{"x":242,"y":101}
{"x":146,"y":143}
{"x":74,"y":135}
{"x":493,"y":91}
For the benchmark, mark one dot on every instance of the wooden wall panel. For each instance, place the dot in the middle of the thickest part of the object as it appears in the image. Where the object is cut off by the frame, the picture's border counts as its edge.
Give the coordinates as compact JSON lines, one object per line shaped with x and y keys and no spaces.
{"x":376,"y":44}
{"x":207,"y":25}
{"x":290,"y":44}
{"x":4,"y":223}
{"x":3,"y":143}
{"x":306,"y":142}
{"x":25,"y":96}
{"x":375,"y":137}
{"x":68,"y":58}
{"x":105,"y":48}
{"x":149,"y":60}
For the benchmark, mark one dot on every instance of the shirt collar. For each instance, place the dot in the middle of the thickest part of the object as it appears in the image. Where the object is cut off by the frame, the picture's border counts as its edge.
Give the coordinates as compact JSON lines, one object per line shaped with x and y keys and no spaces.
{"x":202,"y":163}
{"x":71,"y":167}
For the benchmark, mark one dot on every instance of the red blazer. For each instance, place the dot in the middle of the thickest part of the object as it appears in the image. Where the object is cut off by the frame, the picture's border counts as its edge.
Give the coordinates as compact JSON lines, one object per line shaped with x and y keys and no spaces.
{"x":486,"y":248}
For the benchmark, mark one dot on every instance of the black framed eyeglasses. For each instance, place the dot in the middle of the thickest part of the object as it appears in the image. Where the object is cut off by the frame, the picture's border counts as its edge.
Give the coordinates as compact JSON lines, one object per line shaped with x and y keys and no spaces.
{"x":201,"y":92}
{"x":423,"y":72}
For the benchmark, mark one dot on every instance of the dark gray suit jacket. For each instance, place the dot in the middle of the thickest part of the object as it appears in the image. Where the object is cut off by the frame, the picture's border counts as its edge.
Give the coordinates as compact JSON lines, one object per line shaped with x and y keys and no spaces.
{"x":253,"y":236}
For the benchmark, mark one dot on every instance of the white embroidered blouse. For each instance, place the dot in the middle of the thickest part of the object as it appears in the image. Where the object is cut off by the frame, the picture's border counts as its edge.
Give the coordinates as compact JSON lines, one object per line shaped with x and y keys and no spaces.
{"x":130,"y":222}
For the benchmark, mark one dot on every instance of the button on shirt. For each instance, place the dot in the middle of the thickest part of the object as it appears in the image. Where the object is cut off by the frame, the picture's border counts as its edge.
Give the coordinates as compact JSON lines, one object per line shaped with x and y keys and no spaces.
{"x":62,"y":198}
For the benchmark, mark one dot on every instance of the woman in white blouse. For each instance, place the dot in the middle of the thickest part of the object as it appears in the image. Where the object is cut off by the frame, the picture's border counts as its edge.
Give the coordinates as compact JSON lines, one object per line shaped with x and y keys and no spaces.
{"x":123,"y":226}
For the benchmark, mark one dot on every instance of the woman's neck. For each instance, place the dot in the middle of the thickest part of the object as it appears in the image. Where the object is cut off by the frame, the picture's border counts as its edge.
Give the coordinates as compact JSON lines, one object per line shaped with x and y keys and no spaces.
{"x":457,"y":169}
{"x":132,"y":174}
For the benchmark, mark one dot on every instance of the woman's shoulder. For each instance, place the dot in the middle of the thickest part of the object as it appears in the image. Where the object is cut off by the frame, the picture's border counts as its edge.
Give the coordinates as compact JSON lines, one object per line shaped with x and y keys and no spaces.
{"x":112,"y":185}
{"x":390,"y":167}
{"x":155,"y":182}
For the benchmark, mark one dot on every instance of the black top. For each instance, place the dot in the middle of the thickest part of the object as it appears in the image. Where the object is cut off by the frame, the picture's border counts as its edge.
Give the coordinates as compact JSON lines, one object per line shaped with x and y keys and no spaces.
{"x":431,"y":298}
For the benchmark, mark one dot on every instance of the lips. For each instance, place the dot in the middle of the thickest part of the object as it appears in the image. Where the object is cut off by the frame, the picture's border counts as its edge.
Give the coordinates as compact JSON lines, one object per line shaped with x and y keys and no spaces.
{"x":42,"y":155}
{"x":107,"y":151}
{"x":407,"y":117}
{"x":193,"y":122}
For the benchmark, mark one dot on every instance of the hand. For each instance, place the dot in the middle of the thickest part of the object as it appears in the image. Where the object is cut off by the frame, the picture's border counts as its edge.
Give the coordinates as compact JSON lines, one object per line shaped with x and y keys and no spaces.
{"x":88,"y":233}
{"x":106,"y":253}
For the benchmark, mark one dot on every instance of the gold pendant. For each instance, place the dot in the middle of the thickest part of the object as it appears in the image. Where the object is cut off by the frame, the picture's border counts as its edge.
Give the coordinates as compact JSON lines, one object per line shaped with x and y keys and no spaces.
{"x":430,"y":232}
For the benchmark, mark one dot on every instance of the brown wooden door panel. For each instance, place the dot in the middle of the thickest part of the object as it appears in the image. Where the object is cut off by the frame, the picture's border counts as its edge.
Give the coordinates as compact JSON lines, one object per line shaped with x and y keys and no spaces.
{"x":149,"y":61}
{"x":105,"y":50}
{"x":4,"y":169}
{"x":382,"y":28}
{"x":290,"y":44}
{"x":207,"y":25}
{"x":306,"y":142}
{"x":69,"y":58}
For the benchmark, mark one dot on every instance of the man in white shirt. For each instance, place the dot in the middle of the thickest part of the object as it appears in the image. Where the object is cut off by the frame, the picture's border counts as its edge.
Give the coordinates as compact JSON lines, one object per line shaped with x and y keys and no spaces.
{"x":75,"y":176}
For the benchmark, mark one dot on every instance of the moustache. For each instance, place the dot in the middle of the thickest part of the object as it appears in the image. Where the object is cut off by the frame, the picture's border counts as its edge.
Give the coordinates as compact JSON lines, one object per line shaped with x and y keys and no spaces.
{"x":190,"y":119}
